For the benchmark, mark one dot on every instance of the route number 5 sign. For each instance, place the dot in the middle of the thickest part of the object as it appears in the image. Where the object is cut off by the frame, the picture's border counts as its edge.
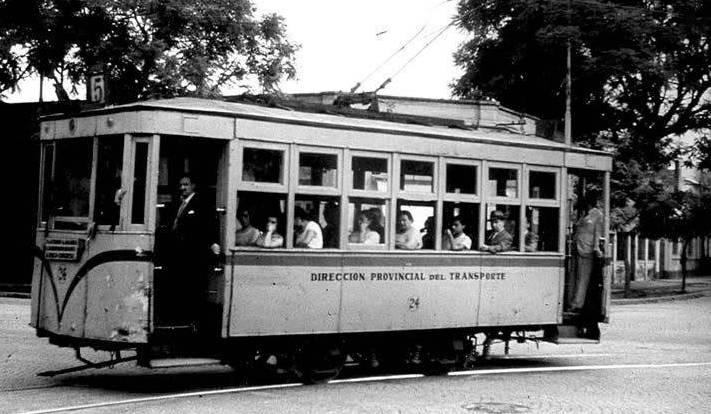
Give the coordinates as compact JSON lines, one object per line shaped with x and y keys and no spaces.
{"x":97,"y":89}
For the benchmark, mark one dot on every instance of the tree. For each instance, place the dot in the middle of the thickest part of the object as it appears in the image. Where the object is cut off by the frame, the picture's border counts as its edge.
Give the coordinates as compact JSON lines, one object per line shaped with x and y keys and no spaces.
{"x":641,"y":69}
{"x":675,"y":215}
{"x":148,"y":48}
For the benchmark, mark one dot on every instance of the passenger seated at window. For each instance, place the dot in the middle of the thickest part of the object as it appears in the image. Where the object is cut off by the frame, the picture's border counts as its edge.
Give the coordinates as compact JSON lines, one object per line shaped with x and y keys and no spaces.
{"x":455,"y":239}
{"x":330,"y":230}
{"x":247,"y":235}
{"x":308,"y":232}
{"x":498,"y":240}
{"x":270,"y":238}
{"x":530,"y":239}
{"x":428,"y":234}
{"x":407,"y":237}
{"x":366,"y":233}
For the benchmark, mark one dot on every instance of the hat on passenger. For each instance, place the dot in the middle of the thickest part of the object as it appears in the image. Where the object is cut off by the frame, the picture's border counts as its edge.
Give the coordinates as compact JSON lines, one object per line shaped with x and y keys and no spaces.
{"x":497,"y":215}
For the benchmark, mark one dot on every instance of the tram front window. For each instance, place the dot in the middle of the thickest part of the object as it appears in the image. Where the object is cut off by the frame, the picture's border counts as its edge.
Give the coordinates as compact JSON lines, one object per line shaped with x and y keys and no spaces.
{"x":108,"y":180}
{"x":72,"y":183}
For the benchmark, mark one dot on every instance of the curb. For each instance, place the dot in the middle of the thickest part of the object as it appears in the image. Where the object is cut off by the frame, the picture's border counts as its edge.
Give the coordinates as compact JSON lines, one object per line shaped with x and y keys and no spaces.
{"x":670,"y":298}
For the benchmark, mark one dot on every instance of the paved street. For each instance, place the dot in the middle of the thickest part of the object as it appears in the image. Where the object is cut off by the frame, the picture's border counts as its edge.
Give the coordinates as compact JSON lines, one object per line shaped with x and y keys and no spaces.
{"x":654,"y":358}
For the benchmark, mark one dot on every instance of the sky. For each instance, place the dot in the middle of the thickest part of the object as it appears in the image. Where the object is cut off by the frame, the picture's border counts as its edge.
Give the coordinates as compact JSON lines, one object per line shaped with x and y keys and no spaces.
{"x":342,"y":42}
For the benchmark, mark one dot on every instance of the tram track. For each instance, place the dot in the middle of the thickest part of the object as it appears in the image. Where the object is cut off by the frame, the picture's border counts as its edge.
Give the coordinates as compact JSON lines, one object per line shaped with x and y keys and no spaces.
{"x":370,"y":379}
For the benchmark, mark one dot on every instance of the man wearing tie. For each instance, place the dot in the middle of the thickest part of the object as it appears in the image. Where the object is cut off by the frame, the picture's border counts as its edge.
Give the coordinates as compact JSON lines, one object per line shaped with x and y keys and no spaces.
{"x":498,"y":240}
{"x":195,"y":248}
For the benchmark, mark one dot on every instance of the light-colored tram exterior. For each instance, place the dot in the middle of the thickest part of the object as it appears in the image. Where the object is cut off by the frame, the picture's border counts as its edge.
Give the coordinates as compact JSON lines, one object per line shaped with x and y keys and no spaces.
{"x":104,"y":298}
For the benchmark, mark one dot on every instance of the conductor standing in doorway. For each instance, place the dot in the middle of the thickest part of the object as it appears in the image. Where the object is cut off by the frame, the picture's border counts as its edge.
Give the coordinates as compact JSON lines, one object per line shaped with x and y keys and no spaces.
{"x":588,"y":231}
{"x":195,"y":245}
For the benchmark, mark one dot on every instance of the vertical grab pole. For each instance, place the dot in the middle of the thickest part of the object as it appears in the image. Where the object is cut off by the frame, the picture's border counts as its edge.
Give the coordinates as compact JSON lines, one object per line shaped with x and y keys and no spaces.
{"x":607,"y":271}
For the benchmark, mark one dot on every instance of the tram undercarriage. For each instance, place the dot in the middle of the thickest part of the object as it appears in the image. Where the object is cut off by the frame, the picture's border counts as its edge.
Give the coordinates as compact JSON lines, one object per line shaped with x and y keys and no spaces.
{"x":318,"y":358}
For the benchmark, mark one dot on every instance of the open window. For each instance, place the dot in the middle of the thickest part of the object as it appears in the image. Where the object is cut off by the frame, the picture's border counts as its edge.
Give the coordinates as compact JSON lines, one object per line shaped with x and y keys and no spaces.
{"x":367,"y":223}
{"x":261,"y":220}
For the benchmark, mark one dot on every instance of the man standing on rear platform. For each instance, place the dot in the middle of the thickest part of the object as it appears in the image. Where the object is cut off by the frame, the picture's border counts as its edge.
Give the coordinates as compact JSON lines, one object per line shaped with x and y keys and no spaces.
{"x":194,"y":242}
{"x":588,"y":231}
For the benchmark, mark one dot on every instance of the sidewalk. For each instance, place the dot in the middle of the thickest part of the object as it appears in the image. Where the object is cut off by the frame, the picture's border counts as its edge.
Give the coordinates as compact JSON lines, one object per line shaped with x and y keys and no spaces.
{"x":660,"y":290}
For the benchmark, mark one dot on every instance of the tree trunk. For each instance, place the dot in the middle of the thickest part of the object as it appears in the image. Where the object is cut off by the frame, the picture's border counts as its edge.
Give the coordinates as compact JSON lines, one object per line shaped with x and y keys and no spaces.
{"x":682,"y":262}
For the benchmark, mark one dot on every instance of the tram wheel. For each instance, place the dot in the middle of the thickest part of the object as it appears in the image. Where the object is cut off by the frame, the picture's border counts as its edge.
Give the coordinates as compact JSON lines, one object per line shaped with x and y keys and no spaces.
{"x":320,"y":364}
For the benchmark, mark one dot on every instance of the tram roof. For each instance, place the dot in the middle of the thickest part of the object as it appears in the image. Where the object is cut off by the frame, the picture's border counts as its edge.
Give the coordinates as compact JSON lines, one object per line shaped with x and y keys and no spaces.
{"x":288,"y":115}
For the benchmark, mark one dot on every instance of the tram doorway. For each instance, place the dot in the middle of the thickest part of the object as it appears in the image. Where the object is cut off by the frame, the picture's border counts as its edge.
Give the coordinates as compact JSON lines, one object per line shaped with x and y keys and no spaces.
{"x":187,"y":225}
{"x":585,"y":287}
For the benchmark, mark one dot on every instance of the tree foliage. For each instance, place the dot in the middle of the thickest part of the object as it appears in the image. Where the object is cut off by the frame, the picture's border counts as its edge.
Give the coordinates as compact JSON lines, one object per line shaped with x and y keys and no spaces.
{"x":147,"y":48}
{"x":641,"y":69}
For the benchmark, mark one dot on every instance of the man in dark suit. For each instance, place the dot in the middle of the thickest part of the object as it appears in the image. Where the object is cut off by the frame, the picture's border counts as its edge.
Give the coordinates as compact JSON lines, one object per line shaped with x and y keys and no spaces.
{"x":194,"y":249}
{"x":498,"y":240}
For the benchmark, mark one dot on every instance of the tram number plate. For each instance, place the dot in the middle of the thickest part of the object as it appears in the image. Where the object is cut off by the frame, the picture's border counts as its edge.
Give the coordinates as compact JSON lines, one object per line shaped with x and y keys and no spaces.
{"x":64,"y":249}
{"x":413,"y":303}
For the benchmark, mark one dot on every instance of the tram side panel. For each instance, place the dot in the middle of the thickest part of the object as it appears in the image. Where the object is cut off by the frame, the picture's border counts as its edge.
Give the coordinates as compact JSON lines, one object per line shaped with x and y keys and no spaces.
{"x":102,"y":296}
{"x":272,"y":295}
{"x":409,"y":292}
{"x":310,"y":293}
{"x":520,"y":291}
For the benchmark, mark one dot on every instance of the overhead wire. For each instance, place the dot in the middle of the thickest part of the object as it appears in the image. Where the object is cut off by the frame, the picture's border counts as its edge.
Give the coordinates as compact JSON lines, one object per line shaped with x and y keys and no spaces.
{"x":400,"y":49}
{"x":397,"y":72}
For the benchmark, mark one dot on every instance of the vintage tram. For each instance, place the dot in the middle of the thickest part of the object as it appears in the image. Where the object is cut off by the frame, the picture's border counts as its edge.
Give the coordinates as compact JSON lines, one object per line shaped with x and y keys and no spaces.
{"x":103,"y":277}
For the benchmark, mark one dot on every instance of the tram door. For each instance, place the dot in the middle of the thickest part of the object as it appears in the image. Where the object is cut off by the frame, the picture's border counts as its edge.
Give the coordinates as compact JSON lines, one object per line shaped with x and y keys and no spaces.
{"x":186,"y":270}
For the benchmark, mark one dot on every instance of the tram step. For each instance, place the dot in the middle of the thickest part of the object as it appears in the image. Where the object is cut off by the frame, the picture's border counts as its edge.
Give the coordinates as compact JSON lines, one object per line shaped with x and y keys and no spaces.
{"x":182,"y":362}
{"x":574,"y":334}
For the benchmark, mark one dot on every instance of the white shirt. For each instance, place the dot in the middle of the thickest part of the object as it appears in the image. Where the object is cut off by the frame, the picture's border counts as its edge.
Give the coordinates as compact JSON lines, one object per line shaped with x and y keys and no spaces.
{"x":461,"y":242}
{"x":317,"y":241}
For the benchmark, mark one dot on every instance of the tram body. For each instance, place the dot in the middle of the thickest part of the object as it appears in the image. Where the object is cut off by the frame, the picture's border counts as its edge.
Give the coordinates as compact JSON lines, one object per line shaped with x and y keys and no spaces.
{"x":108,"y":175}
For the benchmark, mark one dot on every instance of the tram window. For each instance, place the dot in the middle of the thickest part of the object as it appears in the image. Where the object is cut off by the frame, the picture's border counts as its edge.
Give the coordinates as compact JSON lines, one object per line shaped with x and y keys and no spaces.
{"x":541,"y":229}
{"x":511,"y":223}
{"x":72,"y":181}
{"x":417,"y":176}
{"x":370,"y":174}
{"x":108,"y":180}
{"x":415,"y":225}
{"x":467,"y":215}
{"x":318,"y":169}
{"x":262,"y":165}
{"x":140,"y":168}
{"x":265,"y":216}
{"x":367,"y":221}
{"x":541,"y":184}
{"x":503,"y":182}
{"x":316,"y":222}
{"x":461,"y":179}
{"x":47,"y":181}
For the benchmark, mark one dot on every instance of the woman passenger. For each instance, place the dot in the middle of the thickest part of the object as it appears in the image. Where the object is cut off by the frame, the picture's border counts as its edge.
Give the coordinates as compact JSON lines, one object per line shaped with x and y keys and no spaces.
{"x":248,"y":234}
{"x":270,"y":238}
{"x":366,"y":233}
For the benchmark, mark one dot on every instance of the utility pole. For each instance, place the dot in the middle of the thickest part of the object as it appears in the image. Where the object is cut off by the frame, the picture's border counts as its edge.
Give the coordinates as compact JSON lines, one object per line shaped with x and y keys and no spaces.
{"x":568,"y":90}
{"x":568,"y":87}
